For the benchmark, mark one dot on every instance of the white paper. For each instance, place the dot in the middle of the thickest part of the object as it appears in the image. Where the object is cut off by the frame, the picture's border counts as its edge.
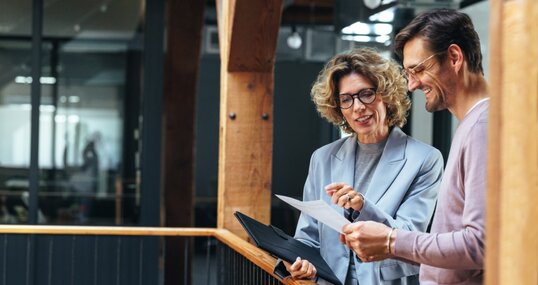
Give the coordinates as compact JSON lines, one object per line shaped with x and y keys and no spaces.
{"x":320,"y":211}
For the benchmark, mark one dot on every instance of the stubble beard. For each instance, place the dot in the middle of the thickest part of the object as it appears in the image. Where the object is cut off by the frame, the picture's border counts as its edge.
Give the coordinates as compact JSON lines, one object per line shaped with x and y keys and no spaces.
{"x":437,"y":104}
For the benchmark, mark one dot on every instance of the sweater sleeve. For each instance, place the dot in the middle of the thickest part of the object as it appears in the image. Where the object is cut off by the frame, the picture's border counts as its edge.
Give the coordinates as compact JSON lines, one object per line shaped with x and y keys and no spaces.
{"x":461,"y":248}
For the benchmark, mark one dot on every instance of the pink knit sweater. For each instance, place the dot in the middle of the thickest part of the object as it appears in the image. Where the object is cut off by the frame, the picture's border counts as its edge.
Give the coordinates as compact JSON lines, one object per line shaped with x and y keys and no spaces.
{"x":453,"y":253}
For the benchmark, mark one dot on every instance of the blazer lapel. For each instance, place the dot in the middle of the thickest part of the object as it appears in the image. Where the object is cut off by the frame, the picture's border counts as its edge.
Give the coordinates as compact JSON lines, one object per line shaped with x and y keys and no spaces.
{"x":390,"y":164}
{"x":343,"y":164}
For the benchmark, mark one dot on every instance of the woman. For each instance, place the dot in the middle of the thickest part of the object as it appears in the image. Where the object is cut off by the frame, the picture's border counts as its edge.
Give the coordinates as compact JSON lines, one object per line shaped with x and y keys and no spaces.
{"x":378,"y":173}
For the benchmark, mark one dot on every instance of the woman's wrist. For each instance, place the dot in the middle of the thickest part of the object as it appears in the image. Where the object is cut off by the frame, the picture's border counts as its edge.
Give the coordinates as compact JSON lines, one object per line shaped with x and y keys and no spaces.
{"x":392,"y":241}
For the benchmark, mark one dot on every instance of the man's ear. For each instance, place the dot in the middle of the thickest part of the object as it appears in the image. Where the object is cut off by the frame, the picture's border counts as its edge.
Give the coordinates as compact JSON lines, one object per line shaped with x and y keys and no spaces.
{"x":455,"y":56}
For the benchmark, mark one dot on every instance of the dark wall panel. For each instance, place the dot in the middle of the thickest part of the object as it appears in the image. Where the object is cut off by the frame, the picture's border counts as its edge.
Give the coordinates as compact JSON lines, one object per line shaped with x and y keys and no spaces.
{"x":130,"y":260}
{"x":15,"y":254}
{"x":106,"y":259}
{"x":149,"y":262}
{"x":3,"y":258}
{"x":84,"y":254}
{"x":207,"y":142}
{"x":42,"y":265}
{"x":78,"y":260}
{"x":298,"y":131}
{"x":62,"y":265}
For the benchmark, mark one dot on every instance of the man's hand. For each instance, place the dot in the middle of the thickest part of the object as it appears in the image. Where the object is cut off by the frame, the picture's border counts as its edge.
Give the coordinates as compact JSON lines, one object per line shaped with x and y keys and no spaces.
{"x":369,"y":240}
{"x":301,"y":269}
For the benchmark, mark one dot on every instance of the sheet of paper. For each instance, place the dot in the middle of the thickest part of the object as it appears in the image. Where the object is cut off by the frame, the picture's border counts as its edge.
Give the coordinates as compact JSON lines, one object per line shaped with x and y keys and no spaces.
{"x":318,"y":210}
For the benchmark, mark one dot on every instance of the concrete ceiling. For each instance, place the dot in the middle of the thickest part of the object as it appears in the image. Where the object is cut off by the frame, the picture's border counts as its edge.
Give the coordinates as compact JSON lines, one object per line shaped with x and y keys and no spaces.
{"x":73,"y":18}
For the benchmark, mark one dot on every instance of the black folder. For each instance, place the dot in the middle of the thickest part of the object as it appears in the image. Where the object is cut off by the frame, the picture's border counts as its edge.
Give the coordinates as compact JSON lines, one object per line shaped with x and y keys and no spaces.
{"x":285,"y":247}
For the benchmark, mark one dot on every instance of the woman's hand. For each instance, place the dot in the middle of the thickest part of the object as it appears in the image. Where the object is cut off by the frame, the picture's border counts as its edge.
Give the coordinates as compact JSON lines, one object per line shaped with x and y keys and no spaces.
{"x":345,"y":196}
{"x":301,"y":269}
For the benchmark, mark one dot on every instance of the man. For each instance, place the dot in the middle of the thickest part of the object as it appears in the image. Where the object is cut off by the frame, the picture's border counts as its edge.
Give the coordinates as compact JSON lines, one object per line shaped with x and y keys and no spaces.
{"x":441,"y":57}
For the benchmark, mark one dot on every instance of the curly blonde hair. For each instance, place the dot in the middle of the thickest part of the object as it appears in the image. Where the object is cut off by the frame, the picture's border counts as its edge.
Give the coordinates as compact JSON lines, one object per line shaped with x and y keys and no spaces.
{"x":385,"y":74}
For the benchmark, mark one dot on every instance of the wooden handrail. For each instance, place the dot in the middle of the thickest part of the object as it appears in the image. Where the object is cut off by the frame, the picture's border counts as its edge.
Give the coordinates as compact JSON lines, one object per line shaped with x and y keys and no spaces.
{"x":254,"y":254}
{"x":257,"y":256}
{"x":104,"y":230}
{"x":251,"y":252}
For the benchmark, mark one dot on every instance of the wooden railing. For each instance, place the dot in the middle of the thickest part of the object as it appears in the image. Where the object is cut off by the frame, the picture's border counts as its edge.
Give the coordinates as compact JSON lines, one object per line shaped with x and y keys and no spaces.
{"x":253,"y":254}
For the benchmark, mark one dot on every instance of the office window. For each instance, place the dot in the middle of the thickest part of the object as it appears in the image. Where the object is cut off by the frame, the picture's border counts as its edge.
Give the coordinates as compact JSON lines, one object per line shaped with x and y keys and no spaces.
{"x":89,"y":113}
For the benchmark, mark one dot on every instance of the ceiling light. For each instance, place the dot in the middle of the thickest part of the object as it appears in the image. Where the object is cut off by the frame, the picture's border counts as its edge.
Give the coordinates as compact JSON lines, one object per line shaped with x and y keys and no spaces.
{"x":73,"y":119}
{"x":372,"y":4}
{"x":47,"y":80}
{"x":362,"y":39}
{"x":294,"y":40}
{"x":385,"y":16}
{"x":73,"y":99}
{"x":382,"y":39}
{"x":23,"y":79}
{"x":357,"y":28}
{"x":28,"y":80}
{"x":382,"y":29}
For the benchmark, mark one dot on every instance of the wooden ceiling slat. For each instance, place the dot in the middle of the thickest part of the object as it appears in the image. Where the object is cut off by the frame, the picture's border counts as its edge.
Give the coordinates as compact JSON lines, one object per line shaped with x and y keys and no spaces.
{"x":319,"y":3}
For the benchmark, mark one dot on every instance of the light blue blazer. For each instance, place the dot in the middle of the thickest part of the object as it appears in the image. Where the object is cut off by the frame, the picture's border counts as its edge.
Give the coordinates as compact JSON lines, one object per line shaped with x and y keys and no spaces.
{"x":402,"y":194}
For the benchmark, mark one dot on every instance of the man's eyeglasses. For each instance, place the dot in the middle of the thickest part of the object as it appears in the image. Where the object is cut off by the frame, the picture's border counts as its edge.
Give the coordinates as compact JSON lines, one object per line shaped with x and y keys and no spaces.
{"x":366,"y":96}
{"x":419,"y":68}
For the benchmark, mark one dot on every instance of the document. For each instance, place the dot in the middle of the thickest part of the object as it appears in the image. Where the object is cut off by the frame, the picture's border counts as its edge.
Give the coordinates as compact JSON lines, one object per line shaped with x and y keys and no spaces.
{"x":320,"y":211}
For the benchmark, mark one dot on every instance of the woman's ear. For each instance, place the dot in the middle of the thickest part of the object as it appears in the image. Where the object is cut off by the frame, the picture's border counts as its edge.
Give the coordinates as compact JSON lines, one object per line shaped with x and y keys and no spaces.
{"x":455,"y":56}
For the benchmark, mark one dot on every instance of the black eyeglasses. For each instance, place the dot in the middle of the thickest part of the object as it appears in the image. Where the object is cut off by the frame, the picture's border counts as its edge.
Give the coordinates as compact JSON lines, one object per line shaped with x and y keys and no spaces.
{"x":366,"y":96}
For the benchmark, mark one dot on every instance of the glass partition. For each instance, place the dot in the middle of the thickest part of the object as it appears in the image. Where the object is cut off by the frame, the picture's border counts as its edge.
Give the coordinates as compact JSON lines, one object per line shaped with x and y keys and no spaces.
{"x":89,"y":112}
{"x":15,"y":60}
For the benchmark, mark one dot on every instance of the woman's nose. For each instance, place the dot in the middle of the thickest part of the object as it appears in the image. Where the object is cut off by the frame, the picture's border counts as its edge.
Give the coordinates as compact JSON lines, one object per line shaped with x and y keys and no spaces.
{"x":357,"y":104}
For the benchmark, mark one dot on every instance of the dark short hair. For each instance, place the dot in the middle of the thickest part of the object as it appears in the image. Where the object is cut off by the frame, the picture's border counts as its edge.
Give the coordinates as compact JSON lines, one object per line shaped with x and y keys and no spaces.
{"x":441,"y":28}
{"x":384,"y":73}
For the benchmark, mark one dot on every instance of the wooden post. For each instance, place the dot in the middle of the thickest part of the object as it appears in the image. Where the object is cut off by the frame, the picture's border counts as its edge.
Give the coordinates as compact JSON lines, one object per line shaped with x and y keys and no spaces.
{"x":247,"y":37}
{"x":184,"y":40}
{"x":512,"y":236}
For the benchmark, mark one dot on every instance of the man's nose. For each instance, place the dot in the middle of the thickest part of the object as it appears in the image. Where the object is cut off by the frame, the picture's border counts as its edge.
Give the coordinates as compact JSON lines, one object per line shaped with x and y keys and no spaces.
{"x":412,"y":83}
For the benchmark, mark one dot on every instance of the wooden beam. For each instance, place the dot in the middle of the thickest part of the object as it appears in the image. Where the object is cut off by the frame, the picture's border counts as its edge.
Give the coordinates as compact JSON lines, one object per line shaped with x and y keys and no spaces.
{"x":184,"y":41}
{"x":511,"y":234}
{"x":314,"y":3}
{"x":247,"y":38}
{"x":181,"y":74}
{"x":253,"y":34}
{"x":245,"y":157}
{"x":494,"y":148}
